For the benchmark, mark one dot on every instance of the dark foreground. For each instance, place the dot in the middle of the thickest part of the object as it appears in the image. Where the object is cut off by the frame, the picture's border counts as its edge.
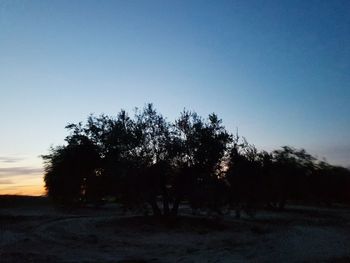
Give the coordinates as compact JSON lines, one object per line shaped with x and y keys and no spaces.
{"x":31,"y":230}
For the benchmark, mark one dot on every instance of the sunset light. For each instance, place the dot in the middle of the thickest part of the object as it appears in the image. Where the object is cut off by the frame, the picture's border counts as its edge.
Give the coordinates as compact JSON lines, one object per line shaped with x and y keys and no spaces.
{"x":276,"y":71}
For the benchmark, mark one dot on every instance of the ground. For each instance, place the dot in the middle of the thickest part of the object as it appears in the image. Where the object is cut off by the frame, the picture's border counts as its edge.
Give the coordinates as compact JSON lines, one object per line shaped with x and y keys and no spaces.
{"x":38,"y":232}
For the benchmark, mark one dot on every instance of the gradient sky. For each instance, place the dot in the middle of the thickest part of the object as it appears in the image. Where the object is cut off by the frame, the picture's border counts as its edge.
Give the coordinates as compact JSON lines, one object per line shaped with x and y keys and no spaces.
{"x":277,"y":70}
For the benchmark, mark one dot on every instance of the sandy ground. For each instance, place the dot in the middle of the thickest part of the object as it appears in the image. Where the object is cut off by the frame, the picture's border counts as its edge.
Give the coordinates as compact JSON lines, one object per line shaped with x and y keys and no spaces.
{"x":300,"y":234}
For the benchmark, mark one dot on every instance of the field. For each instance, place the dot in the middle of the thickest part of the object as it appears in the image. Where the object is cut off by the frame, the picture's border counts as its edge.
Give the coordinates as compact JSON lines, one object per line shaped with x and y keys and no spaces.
{"x":32,"y":230}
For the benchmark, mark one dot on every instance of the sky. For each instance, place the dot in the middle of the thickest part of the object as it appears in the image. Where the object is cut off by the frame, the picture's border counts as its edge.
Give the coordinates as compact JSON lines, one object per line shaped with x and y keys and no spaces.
{"x":278,"y":71}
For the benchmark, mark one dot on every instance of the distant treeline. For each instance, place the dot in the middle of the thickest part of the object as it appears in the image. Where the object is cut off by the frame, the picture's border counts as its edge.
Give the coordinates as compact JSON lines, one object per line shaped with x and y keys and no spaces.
{"x":145,"y":160}
{"x":11,"y":201}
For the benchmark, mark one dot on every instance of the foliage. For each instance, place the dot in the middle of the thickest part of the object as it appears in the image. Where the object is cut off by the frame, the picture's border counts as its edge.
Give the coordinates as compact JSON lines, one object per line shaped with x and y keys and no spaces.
{"x":145,"y":160}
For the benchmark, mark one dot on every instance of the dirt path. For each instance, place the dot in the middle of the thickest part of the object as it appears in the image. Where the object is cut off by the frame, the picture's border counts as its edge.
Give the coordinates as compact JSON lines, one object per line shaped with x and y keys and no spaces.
{"x":299,"y":235}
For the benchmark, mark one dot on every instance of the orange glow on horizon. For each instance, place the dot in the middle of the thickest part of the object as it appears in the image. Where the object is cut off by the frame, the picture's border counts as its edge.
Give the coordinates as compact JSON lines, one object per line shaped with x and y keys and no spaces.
{"x":30,"y":190}
{"x":24,"y":185}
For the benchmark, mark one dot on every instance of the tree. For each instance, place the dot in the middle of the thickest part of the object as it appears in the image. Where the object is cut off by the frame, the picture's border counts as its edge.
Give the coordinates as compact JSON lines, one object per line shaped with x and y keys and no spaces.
{"x":70,"y":171}
{"x":152,"y":154}
{"x":203,"y":145}
{"x":146,"y":161}
{"x":330,"y":184}
{"x":246,"y":167}
{"x":291,"y":171}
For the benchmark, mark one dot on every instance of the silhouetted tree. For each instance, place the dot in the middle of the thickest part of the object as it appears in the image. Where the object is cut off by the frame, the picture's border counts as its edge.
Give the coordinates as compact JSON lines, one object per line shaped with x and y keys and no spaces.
{"x":70,"y":171}
{"x":153,"y":157}
{"x":291,"y":171}
{"x":330,"y":184}
{"x":245,"y":175}
{"x":203,"y":145}
{"x":147,"y":161}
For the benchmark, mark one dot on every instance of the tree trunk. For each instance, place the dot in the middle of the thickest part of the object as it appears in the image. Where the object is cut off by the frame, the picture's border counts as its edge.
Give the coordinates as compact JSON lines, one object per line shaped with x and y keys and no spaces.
{"x":155,"y":209}
{"x":166,"y":209}
{"x":175,"y":208}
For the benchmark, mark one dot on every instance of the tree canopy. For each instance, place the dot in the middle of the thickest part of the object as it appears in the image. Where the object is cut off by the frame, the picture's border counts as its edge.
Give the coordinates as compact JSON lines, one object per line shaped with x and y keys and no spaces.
{"x":145,"y":160}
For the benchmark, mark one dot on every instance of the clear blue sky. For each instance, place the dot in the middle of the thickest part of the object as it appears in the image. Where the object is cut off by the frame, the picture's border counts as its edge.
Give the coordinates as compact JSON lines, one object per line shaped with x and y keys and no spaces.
{"x":277,"y":70}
